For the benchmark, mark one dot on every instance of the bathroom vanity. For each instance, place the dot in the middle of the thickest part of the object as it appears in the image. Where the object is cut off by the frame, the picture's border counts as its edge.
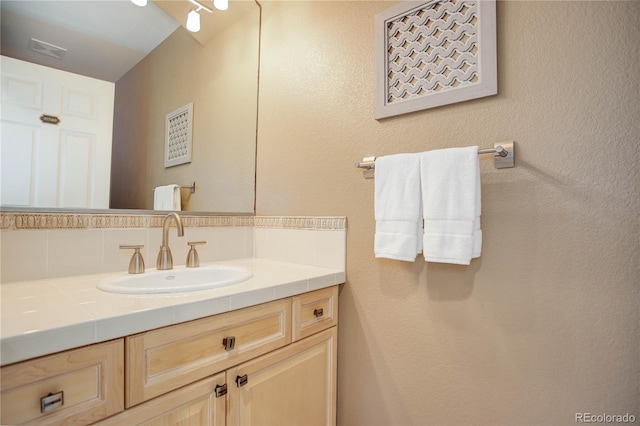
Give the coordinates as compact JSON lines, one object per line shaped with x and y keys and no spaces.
{"x":262,"y":351}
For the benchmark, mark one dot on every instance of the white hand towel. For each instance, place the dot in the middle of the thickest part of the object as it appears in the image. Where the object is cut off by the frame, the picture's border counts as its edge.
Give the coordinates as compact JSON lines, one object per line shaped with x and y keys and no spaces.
{"x":398,"y":207}
{"x":451,"y":205}
{"x":167,"y":197}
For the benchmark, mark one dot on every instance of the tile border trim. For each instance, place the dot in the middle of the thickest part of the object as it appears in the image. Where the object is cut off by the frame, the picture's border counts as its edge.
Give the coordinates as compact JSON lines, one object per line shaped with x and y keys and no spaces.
{"x":28,"y":220}
{"x":325,"y":223}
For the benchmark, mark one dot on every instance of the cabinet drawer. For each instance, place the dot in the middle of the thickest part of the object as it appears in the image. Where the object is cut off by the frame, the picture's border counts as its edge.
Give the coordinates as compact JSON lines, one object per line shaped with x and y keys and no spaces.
{"x":162,"y":360}
{"x":314,"y":312}
{"x":87,"y":384}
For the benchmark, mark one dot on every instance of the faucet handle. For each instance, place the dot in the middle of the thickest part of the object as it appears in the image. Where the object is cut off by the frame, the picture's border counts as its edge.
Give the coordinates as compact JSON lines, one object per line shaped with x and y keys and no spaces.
{"x":136,"y":265}
{"x":193,"y":261}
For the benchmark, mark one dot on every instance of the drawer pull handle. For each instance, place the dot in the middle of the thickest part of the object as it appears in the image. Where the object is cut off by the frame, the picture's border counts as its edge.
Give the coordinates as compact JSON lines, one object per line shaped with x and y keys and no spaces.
{"x":220,"y":390}
{"x":229,"y":343}
{"x":318,"y":312}
{"x":242,"y":380}
{"x":51,"y":402}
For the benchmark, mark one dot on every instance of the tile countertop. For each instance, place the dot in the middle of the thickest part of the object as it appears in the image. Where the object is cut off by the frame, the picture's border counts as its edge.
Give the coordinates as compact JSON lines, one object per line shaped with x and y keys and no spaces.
{"x":48,"y":316}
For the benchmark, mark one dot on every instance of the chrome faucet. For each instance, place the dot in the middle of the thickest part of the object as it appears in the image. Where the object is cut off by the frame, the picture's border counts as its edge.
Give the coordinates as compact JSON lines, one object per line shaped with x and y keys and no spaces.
{"x":165,"y":260}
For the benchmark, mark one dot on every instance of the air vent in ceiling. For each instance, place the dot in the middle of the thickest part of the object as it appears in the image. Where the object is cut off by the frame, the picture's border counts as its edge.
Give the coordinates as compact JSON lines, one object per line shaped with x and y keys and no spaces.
{"x":48,"y":49}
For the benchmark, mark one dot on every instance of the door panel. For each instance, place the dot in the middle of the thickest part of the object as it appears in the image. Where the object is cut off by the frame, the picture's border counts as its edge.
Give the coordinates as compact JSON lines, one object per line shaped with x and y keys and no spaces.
{"x":17,"y":152}
{"x":76,"y":169}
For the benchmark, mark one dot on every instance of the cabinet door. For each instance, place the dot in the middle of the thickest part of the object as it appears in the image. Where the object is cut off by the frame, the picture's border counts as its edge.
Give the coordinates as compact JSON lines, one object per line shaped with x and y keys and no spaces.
{"x":295,"y":385}
{"x":196,"y":404}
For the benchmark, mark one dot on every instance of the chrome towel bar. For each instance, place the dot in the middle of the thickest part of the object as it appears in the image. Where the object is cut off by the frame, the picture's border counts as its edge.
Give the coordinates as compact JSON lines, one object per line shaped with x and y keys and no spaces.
{"x":504,"y":156}
{"x":191,"y":188}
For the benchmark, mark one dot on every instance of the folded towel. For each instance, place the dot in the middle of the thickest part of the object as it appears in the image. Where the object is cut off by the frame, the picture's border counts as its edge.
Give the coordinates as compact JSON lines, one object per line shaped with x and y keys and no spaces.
{"x":398,"y":207}
{"x":451,"y":205}
{"x":167,"y":197}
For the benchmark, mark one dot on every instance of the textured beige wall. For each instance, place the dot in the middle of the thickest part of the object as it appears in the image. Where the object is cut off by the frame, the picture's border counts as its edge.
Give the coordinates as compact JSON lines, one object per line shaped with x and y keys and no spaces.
{"x":221,"y":81}
{"x":546,"y":323}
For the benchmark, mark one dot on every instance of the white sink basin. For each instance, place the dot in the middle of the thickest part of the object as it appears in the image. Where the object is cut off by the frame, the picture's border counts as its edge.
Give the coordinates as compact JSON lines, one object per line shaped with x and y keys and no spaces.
{"x":175,"y":280}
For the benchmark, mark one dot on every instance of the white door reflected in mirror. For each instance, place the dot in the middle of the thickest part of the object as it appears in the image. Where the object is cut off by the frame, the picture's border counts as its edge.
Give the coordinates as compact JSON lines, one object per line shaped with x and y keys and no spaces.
{"x":56,"y":137}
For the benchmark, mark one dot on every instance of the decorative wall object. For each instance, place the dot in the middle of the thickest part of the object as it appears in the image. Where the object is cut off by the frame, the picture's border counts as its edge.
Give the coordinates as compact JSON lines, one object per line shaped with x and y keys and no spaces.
{"x":177,"y":138}
{"x":433,"y":53}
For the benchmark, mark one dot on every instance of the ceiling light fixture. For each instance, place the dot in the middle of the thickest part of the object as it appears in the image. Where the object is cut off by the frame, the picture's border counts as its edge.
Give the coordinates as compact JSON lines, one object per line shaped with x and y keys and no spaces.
{"x":193,"y":21}
{"x":193,"y":18}
{"x":141,"y":3}
{"x":221,"y":4}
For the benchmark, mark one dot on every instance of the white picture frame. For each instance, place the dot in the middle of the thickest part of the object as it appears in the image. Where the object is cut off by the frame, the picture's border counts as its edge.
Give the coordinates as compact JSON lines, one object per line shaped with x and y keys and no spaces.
{"x":178,"y":136}
{"x":433,"y":53}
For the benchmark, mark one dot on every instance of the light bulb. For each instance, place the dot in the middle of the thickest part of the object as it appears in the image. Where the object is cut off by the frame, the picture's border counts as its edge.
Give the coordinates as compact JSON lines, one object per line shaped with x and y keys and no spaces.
{"x":141,"y":3}
{"x":221,"y":4}
{"x":193,"y":21}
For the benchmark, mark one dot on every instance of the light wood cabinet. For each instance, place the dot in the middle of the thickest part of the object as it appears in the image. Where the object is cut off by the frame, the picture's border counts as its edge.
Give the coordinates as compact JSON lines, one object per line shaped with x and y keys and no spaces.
{"x":269,"y":380}
{"x":85,"y":385}
{"x":237,"y":368}
{"x":294,"y":385}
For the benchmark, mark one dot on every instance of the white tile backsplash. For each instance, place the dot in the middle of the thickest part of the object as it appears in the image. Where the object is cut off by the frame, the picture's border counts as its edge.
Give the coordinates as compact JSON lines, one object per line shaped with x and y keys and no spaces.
{"x":41,"y":254}
{"x":331,"y":249}
{"x":36,"y":254}
{"x":24,"y":255}
{"x":231,"y":243}
{"x":74,"y":252}
{"x":323,"y":248}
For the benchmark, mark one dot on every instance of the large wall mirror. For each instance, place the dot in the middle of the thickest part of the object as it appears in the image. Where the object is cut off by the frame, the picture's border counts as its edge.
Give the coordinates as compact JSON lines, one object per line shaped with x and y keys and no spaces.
{"x":215,"y":70}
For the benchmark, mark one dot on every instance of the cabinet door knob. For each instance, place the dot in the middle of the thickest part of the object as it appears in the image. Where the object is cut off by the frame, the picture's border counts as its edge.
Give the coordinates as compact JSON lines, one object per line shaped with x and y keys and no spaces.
{"x":51,"y":402}
{"x":229,"y":343}
{"x":242,"y":380}
{"x":220,"y":390}
{"x":318,"y":312}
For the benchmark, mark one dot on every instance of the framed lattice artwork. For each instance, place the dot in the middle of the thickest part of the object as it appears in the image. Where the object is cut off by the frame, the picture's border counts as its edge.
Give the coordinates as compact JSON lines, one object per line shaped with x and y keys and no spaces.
{"x":177,"y":136}
{"x":433,"y":53}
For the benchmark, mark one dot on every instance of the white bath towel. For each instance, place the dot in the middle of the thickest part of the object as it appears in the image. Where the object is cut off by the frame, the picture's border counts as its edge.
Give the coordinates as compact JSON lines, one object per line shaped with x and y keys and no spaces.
{"x":398,"y":207}
{"x":451,"y":205}
{"x":167,"y":197}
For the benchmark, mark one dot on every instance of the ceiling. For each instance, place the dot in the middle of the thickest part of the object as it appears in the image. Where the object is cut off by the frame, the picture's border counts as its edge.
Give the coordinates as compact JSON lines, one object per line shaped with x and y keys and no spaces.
{"x":100,"y":38}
